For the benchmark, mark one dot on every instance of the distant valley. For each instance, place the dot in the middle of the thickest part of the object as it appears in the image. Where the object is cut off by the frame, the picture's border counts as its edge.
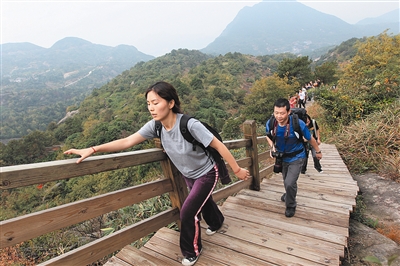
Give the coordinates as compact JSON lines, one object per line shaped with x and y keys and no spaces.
{"x":38,"y":84}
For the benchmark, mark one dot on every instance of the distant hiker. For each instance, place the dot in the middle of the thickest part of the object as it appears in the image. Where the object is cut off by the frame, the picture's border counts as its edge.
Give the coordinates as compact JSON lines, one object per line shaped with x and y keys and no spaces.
{"x":196,"y":167}
{"x":302,"y":99}
{"x":288,"y":147}
{"x":293,"y":101}
{"x":305,"y":95}
{"x":314,"y":130}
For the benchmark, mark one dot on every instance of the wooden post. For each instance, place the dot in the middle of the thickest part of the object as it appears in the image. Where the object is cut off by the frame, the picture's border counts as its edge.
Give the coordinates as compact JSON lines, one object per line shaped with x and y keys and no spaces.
{"x":250,"y":132}
{"x":180,"y":191}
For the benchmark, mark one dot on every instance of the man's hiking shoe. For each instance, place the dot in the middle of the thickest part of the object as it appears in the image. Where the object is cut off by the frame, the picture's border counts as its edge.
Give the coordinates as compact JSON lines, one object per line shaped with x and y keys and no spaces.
{"x":290,"y":211}
{"x":210,"y":232}
{"x":191,"y":261}
{"x":283,"y":197}
{"x":320,"y":171}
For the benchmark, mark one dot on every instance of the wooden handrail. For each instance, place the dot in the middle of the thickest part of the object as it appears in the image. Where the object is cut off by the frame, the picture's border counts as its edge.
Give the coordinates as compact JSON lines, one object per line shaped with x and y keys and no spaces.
{"x":108,"y":244}
{"x":37,"y":173}
{"x":19,"y":229}
{"x":42,"y":222}
{"x":252,"y":152}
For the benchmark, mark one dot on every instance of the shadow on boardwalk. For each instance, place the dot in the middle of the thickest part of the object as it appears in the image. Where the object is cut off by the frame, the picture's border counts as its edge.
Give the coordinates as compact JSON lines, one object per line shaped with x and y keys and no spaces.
{"x":256,"y":231}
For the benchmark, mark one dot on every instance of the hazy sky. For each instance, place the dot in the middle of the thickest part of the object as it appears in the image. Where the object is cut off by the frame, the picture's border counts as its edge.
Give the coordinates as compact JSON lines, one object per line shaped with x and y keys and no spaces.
{"x":153,"y":27}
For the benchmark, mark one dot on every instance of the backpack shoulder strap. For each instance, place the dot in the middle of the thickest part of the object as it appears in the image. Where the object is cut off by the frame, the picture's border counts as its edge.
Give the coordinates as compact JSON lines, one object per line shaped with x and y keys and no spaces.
{"x":272,"y":124}
{"x":296,"y":127}
{"x":184,"y":130}
{"x":295,"y":122}
{"x":186,"y":133}
{"x":158,"y":128}
{"x":315,"y":128}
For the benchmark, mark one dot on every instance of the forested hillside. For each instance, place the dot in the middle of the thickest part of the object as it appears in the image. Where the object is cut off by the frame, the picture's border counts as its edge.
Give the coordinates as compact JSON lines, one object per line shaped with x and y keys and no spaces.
{"x":212,"y":89}
{"x":38,"y":84}
{"x":360,"y":115}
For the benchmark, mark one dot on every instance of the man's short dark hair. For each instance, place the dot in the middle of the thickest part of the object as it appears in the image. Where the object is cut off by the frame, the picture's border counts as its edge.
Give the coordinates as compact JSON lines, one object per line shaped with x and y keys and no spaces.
{"x":282,"y":102}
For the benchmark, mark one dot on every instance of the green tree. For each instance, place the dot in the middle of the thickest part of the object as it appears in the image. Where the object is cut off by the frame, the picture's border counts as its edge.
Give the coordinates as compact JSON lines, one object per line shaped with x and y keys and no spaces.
{"x":70,"y":126}
{"x":295,"y":69}
{"x":259,"y":104}
{"x":230,"y":128}
{"x":327,"y":72}
{"x":32,"y":148}
{"x":370,"y":82}
{"x":373,"y":75}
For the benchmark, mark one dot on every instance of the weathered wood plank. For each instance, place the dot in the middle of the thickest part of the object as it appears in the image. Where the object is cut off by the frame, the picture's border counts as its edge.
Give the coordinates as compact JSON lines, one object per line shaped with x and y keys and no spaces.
{"x":42,"y":222}
{"x":319,"y":215}
{"x":245,"y":249}
{"x":329,"y":178}
{"x":217,"y":254}
{"x":311,"y":244}
{"x":166,"y":242}
{"x":250,"y":132}
{"x":345,"y":191}
{"x":114,"y":261}
{"x":303,"y":216}
{"x":134,"y":256}
{"x":242,"y":233}
{"x":237,"y":143}
{"x":168,"y":261}
{"x":314,"y":194}
{"x":265,"y":156}
{"x":231,"y":189}
{"x":301,"y":201}
{"x":36,"y":173}
{"x":106,"y":245}
{"x":297,"y":225}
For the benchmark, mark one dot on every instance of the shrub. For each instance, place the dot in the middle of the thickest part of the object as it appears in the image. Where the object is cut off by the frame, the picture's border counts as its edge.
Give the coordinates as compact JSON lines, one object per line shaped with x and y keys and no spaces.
{"x":373,"y":144}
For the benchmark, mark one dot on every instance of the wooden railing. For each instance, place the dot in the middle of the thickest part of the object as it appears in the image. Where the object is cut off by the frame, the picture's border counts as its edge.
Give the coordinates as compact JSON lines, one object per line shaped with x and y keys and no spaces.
{"x":26,"y":227}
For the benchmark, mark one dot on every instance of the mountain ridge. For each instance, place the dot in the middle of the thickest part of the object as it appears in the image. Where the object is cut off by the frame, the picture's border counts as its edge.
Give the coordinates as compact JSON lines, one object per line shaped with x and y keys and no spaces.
{"x":389,"y":17}
{"x":279,"y":27}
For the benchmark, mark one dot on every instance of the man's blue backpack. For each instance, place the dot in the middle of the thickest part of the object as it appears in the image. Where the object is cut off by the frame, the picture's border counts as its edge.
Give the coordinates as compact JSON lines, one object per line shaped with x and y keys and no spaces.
{"x":212,"y":153}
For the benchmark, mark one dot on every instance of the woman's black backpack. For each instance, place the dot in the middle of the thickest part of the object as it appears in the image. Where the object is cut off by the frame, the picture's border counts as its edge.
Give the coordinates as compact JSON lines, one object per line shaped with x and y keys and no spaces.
{"x":212,"y":153}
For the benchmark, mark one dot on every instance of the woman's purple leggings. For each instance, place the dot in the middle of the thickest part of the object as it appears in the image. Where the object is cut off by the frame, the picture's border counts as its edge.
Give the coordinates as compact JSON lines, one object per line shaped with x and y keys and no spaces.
{"x":199,"y":201}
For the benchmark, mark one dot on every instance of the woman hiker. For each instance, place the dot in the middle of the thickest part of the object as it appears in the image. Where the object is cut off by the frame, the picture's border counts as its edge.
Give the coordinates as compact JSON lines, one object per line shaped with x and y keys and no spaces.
{"x":199,"y":172}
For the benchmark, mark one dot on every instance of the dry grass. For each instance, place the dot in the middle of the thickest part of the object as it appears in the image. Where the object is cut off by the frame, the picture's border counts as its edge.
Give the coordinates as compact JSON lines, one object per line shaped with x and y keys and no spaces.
{"x":315,"y":111}
{"x":373,"y":144}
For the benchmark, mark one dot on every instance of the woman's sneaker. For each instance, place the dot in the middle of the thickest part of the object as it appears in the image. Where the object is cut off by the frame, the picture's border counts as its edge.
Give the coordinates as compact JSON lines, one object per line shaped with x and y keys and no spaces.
{"x":210,"y":232}
{"x":192,"y":260}
{"x":189,"y":261}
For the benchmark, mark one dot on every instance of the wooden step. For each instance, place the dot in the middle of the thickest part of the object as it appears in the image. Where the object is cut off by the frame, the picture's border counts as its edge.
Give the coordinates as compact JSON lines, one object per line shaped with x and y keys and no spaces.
{"x":132,"y":256}
{"x":256,"y":231}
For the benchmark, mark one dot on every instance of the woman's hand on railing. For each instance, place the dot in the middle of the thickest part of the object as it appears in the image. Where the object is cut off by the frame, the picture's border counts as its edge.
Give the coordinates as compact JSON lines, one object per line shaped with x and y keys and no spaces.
{"x":243,"y":174}
{"x":84,"y":153}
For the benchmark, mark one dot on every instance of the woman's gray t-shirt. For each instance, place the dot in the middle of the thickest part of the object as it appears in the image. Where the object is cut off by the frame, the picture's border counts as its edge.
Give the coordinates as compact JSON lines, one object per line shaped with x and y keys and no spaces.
{"x":192,"y":164}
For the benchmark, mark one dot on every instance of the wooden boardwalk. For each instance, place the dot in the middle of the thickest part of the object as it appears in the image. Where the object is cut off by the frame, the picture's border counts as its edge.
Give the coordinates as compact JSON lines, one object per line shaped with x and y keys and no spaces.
{"x":256,"y":231}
